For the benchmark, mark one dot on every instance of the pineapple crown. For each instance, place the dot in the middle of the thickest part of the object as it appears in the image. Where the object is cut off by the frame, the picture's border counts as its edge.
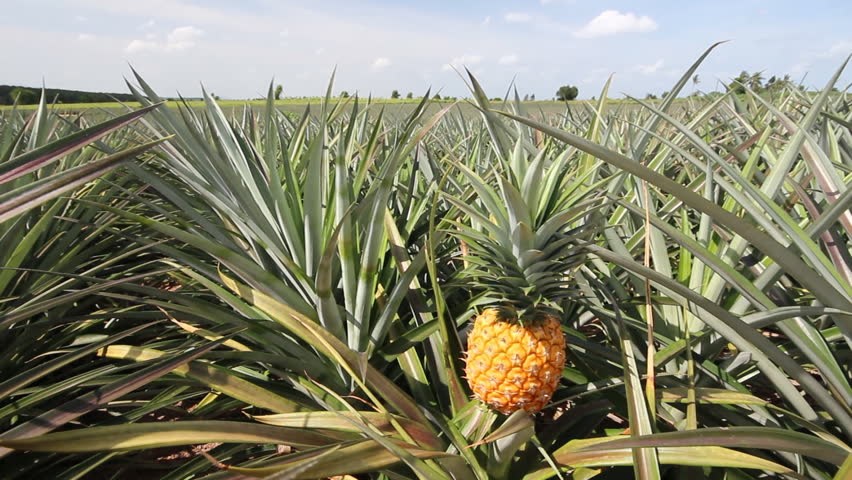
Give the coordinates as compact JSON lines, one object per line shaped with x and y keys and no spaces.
{"x":527,"y":233}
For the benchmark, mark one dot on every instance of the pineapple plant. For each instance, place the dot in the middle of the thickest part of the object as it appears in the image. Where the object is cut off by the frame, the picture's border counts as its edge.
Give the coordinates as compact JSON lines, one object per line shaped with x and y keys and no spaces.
{"x":307,"y":341}
{"x":522,"y":251}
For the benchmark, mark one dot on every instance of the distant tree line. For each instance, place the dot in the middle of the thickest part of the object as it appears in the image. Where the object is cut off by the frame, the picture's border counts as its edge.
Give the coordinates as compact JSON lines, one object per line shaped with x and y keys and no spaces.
{"x":739,"y":85}
{"x":565,"y":92}
{"x":757,"y":83}
{"x":29,"y":96}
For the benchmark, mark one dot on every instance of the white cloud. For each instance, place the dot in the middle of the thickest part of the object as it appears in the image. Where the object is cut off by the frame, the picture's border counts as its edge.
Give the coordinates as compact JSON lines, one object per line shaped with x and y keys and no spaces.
{"x":486,"y":20}
{"x":839,"y":48}
{"x":611,"y":22}
{"x":381,"y":63}
{"x":147,"y":25}
{"x":649,"y":69}
{"x":136,"y":46}
{"x":80,"y":18}
{"x":319,"y":51}
{"x":509,"y":59}
{"x":179,"y":39}
{"x":517,"y":17}
{"x":465,"y":60}
{"x":85,"y":37}
{"x":183,"y":38}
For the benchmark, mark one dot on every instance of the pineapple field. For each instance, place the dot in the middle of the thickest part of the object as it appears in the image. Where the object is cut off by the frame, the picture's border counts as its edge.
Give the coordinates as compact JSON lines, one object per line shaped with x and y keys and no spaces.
{"x":646,"y":289}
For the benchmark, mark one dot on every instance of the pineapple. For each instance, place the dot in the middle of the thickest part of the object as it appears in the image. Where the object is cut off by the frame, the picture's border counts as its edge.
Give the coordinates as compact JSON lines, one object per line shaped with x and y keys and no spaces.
{"x":521,"y":252}
{"x":513,"y":365}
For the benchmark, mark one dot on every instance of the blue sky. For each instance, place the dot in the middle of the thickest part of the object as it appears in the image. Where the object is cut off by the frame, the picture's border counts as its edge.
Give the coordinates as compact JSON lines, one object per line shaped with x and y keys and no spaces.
{"x":236,"y":47}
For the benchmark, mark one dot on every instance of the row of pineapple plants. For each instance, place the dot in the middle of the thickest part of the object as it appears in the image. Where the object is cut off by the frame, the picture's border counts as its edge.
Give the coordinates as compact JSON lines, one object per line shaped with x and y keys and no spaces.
{"x":662,"y":289}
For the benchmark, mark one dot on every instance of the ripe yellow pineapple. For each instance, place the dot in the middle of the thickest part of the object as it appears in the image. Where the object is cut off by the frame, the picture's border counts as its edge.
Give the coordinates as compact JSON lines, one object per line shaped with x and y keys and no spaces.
{"x":513,"y":365}
{"x":523,"y":242}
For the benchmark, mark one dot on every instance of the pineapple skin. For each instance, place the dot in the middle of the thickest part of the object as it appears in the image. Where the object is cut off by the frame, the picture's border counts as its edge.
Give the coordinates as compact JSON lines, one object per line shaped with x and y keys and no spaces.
{"x":513,"y":366}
